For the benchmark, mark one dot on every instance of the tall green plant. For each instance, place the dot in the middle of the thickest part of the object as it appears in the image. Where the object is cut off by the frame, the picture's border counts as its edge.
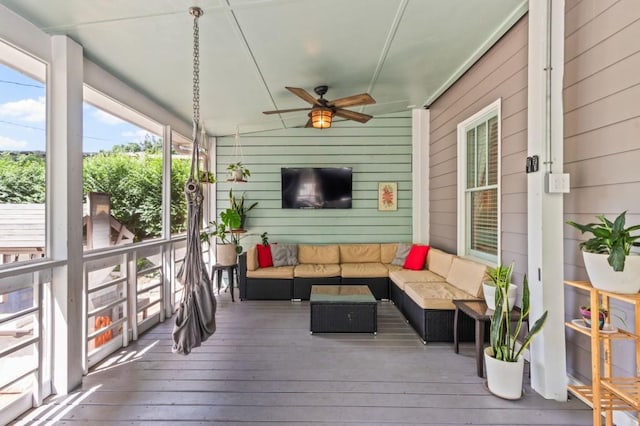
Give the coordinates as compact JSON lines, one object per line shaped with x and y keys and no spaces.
{"x":503,"y":339}
{"x":610,"y":238}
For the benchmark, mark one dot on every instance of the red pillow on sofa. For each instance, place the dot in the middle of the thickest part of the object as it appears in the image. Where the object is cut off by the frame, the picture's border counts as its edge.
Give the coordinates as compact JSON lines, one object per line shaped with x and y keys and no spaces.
{"x":264,"y":256}
{"x":416,"y":257}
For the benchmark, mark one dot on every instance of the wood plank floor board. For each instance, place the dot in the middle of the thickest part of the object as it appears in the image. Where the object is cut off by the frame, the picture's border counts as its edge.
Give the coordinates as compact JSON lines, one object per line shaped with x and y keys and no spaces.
{"x":262,"y":366}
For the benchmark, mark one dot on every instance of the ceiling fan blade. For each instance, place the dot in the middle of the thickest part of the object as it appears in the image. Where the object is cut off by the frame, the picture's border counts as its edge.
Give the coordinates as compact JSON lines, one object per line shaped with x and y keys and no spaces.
{"x":301,"y":93}
{"x":280,"y":111}
{"x":309,"y":124}
{"x":361,"y":99}
{"x":352,"y":115}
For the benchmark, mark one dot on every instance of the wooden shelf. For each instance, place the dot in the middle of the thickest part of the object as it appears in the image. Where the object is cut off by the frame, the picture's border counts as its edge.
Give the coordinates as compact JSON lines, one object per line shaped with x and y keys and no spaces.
{"x":606,"y":393}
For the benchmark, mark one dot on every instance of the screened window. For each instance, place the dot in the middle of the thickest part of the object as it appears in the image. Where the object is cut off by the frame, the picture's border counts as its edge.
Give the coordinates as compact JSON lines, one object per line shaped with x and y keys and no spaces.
{"x":478,"y":215}
{"x":122,"y":174}
{"x":22,"y":156}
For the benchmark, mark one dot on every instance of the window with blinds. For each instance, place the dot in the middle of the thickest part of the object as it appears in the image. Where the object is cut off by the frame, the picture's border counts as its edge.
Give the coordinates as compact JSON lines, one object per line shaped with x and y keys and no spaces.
{"x":479,"y":137}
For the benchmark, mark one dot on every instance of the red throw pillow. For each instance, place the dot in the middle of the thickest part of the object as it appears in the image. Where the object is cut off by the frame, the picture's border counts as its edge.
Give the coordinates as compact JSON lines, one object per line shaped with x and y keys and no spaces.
{"x":264,"y":256}
{"x":416,"y":257}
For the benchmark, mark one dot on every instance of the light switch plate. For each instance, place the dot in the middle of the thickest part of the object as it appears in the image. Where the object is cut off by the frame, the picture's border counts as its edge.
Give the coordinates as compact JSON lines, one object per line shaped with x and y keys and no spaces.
{"x":557,"y":183}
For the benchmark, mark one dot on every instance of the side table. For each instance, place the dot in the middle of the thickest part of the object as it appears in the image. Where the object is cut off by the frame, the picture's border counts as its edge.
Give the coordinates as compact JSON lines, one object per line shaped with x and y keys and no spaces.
{"x":216,"y":272}
{"x":478,"y":311}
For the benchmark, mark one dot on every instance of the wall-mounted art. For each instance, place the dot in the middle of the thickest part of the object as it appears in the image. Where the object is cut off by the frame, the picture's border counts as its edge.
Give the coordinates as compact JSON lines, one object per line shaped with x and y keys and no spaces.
{"x":387,"y":196}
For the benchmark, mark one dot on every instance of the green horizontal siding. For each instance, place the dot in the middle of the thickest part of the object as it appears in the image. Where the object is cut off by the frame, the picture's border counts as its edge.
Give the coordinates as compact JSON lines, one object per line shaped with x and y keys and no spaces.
{"x":379,"y":151}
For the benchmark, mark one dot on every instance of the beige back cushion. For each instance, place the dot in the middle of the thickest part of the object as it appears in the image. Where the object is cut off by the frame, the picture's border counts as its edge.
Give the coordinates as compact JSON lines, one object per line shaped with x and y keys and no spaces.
{"x":467,"y":275}
{"x":439,"y":262}
{"x":327,"y":254}
{"x":252,"y":259}
{"x":388,"y":252}
{"x":359,"y":253}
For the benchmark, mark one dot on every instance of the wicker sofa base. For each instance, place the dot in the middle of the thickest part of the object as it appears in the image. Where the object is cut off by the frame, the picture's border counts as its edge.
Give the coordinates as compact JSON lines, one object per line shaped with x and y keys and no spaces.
{"x":396,"y":295}
{"x":378,"y":286}
{"x":302,"y":286}
{"x":436,"y":325}
{"x":266,"y":289}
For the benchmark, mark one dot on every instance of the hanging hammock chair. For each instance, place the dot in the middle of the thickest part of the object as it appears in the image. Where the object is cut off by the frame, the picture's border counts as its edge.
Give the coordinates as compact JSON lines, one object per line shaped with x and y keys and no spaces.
{"x":195,"y":320}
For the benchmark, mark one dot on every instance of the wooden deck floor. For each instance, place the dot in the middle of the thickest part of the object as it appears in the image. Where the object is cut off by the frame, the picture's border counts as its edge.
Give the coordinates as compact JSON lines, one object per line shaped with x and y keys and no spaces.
{"x":263,"y":366}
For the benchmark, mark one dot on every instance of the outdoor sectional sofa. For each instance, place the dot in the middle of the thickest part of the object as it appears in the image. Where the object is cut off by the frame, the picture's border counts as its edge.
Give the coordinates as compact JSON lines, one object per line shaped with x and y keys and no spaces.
{"x":425,"y":297}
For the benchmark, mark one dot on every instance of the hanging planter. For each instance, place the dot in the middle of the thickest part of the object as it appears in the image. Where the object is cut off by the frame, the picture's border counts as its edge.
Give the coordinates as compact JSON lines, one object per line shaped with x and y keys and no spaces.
{"x":238,"y":172}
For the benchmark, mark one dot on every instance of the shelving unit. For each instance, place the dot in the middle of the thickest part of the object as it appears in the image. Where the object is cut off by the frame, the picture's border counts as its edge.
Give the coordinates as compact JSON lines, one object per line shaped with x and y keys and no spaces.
{"x":608,"y":393}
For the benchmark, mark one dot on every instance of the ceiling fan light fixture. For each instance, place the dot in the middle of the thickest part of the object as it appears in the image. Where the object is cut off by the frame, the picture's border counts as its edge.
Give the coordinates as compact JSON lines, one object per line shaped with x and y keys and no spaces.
{"x":321,"y":117}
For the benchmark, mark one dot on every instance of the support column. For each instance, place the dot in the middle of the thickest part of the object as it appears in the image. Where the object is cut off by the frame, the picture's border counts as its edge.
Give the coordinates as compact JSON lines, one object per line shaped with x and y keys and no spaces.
{"x":545,"y":210}
{"x":420,"y":174}
{"x":64,"y":209}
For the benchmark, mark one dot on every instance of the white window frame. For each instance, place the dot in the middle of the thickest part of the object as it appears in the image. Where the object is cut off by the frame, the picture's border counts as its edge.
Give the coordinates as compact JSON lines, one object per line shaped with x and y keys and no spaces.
{"x":491,"y":110}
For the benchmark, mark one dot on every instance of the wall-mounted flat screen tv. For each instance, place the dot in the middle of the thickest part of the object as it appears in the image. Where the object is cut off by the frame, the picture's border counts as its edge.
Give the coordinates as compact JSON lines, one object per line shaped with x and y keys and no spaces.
{"x":316,"y":187}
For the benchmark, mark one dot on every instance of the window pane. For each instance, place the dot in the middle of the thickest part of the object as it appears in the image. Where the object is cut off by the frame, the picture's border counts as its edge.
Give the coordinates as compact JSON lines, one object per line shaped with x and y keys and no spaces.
{"x":180,"y":168}
{"x":471,"y":158}
{"x":122,"y":180}
{"x":484,"y":221}
{"x":22,"y":165}
{"x":481,"y":155}
{"x":493,"y":151}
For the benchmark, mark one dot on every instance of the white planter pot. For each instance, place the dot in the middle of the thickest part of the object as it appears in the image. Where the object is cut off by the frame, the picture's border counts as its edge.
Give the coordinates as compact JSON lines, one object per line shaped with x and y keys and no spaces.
{"x":489,"y":291}
{"x":603,"y":277}
{"x":504,"y":379}
{"x":236,"y":175}
{"x":226,"y":254}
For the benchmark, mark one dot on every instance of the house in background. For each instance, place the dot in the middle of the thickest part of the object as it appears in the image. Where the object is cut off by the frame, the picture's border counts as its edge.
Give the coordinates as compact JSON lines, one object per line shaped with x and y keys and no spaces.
{"x":586,"y":68}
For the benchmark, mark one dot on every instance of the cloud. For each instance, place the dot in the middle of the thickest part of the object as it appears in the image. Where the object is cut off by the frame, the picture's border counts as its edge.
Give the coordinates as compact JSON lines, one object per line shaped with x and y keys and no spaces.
{"x":106,"y":118}
{"x":11,"y":144}
{"x":137,"y":136}
{"x":29,"y":110}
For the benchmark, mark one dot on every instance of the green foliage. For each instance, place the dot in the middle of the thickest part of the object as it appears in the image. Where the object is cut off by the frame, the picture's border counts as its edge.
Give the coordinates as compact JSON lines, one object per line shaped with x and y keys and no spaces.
{"x":237,"y":204}
{"x":22,"y":178}
{"x":239,"y":167}
{"x":610,"y":238}
{"x":503,"y":341}
{"x":265,"y":238}
{"x":131,"y":175}
{"x":134,"y":183}
{"x":229,"y":219}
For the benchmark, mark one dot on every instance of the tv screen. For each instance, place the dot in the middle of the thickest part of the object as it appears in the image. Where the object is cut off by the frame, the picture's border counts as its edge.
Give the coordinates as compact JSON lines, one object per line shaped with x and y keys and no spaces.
{"x":316,"y":188}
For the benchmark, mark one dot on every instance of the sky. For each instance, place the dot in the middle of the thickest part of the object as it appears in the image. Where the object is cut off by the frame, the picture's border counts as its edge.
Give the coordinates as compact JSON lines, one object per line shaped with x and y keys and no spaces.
{"x":23,"y":114}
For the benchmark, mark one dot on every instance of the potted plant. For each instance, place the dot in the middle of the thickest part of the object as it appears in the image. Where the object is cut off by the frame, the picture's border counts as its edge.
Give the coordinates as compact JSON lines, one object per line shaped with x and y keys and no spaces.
{"x":496,"y":275}
{"x":237,"y":204}
{"x":207,"y":177}
{"x":238,"y":172}
{"x":607,"y":254}
{"x":227,"y":245}
{"x":504,"y":361}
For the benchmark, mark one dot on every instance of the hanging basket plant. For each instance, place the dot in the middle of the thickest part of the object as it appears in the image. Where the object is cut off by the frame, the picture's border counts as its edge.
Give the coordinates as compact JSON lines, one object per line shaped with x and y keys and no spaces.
{"x":207,"y":177}
{"x":238,"y":172}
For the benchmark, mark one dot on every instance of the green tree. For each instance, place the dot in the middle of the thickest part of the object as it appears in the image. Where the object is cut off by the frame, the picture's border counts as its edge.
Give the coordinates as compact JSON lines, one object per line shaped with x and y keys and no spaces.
{"x":22,"y":178}
{"x":134,"y":182}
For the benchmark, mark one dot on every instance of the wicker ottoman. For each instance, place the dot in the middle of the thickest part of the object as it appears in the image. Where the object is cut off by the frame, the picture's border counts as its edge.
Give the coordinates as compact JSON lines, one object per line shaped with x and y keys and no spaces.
{"x":343,"y":309}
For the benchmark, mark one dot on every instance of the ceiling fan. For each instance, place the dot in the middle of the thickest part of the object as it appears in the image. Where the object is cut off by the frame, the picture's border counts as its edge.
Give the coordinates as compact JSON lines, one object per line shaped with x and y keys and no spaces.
{"x":323,"y":110}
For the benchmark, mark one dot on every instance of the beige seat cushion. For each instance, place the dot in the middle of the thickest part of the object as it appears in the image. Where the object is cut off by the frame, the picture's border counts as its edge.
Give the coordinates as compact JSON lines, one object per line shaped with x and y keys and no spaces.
{"x":309,"y":270}
{"x":359,"y":253}
{"x":318,"y":254}
{"x":439,"y":262}
{"x":393,"y":268}
{"x":423,"y":276}
{"x":467,"y":275}
{"x":364,"y":270}
{"x":280,"y":272}
{"x":388,"y":252}
{"x":435,"y":295}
